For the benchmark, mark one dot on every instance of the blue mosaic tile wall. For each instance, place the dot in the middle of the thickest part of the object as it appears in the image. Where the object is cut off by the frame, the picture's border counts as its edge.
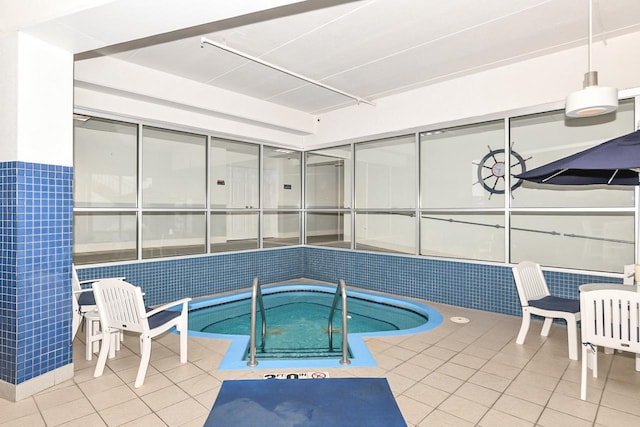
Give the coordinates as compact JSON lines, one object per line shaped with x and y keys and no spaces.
{"x":36,"y":250}
{"x":458,"y":283}
{"x":168,"y":280}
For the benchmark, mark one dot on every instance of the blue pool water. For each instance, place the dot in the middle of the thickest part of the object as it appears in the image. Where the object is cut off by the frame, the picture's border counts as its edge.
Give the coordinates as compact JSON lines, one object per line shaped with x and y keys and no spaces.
{"x":297,"y":317}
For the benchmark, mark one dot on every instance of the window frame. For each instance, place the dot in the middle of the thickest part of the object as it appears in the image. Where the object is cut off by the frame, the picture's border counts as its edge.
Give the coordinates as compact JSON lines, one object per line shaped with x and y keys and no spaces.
{"x":303,"y":210}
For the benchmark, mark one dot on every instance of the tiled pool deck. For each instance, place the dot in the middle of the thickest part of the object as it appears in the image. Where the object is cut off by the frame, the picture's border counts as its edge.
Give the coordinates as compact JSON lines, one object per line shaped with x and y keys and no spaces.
{"x":454,"y":375}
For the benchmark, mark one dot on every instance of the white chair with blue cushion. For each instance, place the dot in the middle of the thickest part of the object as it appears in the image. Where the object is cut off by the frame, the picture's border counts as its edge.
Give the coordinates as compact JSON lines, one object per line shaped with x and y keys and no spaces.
{"x":536,"y":299}
{"x":610,"y":318}
{"x":122,"y":308}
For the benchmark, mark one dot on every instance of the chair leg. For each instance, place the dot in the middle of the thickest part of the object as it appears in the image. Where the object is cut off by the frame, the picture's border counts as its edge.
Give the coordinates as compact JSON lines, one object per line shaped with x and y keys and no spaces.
{"x":524,"y":328}
{"x":583,"y":380}
{"x":183,"y":343}
{"x":115,"y":344}
{"x":104,"y":352}
{"x":145,"y":348}
{"x":594,"y":362}
{"x":76,"y":319}
{"x":572,"y":337}
{"x":546,"y":327}
{"x":92,"y":337}
{"x":88,"y":341}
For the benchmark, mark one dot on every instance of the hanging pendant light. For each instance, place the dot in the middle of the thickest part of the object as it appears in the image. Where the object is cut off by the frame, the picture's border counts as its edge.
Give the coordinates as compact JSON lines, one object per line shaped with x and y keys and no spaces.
{"x":592,"y":100}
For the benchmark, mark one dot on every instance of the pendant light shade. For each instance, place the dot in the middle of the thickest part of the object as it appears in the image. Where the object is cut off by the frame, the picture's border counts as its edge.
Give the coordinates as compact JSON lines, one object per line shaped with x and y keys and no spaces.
{"x":592,"y":100}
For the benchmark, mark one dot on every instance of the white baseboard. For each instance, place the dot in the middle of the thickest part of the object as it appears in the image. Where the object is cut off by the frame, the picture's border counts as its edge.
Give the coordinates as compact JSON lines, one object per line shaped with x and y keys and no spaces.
{"x":16,"y":392}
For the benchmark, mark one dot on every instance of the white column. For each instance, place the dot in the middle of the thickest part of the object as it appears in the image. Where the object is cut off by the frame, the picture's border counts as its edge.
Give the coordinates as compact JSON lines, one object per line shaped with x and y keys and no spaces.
{"x":36,"y":156}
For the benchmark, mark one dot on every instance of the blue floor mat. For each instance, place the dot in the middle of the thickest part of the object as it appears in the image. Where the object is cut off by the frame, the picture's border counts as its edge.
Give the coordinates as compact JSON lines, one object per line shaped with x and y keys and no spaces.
{"x":329,"y":402}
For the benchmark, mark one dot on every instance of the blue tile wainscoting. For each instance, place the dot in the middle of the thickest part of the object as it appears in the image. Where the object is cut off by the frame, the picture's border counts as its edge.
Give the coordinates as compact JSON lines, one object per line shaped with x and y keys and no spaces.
{"x":36,"y":213}
{"x":168,"y":280}
{"x":471,"y":285}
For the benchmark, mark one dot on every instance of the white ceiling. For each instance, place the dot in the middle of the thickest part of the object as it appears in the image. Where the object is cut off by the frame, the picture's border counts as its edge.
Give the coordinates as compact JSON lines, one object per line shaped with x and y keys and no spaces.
{"x":374,"y":48}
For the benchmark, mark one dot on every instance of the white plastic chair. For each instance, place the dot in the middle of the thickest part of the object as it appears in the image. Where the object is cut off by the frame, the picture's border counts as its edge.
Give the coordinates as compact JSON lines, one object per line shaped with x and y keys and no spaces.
{"x":535,"y":298}
{"x":85,"y":311}
{"x":610,"y":318}
{"x":121,"y":307}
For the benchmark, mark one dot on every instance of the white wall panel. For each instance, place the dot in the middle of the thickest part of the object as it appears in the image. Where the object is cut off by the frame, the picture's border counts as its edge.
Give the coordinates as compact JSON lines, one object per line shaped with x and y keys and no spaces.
{"x":45,"y":103}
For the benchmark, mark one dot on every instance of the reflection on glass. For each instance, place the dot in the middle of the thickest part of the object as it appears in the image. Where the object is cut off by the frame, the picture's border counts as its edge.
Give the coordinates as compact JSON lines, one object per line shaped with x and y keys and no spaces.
{"x":386,"y":231}
{"x":234,"y":231}
{"x":282,"y":178}
{"x":281,"y":229}
{"x":587,"y":241}
{"x":328,"y":178}
{"x":478,"y":236}
{"x":104,"y":237}
{"x":330,"y":229}
{"x":386,"y":173}
{"x":172,"y":234}
{"x":464,"y":167}
{"x":173,"y":169}
{"x":105,"y":163}
{"x":234,"y":174}
{"x":543,"y":138}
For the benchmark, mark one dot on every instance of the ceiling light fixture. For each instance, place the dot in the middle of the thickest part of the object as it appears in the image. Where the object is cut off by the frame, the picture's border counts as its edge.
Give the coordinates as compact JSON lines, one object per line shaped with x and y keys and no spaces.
{"x":592,"y":100}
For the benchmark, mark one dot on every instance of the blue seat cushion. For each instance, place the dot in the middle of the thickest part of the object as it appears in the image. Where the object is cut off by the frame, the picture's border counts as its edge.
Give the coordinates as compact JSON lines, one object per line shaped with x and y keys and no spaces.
{"x":86,"y":298}
{"x":557,"y":304}
{"x":162,"y":317}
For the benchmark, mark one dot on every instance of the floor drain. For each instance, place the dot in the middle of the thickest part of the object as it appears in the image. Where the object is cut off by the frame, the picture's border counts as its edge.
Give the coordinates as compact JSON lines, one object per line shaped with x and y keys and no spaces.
{"x":457,"y":319}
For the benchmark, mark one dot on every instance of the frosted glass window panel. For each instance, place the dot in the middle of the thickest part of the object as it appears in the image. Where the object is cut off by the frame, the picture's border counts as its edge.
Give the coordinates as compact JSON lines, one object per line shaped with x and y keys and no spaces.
{"x":332,"y":229}
{"x":464,"y":167}
{"x":386,"y":173}
{"x":172,"y":234}
{"x":105,"y":164}
{"x":328,"y":178}
{"x":234,"y":231}
{"x":235,"y":169}
{"x":393,"y":232}
{"x":585,"y":241}
{"x":281,"y":229}
{"x":543,"y":138}
{"x":173,"y":169}
{"x":282,"y":178}
{"x":477,"y":235}
{"x":104,"y":237}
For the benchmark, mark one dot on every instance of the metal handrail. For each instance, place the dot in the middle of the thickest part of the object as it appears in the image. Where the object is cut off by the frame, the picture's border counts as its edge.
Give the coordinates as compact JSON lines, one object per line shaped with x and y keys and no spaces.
{"x":256,"y":297}
{"x":341,"y":289}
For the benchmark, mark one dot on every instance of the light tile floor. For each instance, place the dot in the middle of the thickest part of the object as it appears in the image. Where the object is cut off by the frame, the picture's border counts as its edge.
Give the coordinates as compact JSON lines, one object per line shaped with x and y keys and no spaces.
{"x":455,"y":375}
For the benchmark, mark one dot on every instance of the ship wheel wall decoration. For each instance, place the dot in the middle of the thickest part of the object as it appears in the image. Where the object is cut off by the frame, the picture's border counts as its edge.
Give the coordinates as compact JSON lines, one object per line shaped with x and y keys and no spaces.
{"x":492,"y":170}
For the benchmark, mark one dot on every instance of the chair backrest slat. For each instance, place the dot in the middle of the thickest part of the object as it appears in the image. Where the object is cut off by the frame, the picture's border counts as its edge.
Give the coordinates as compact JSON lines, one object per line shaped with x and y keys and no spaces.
{"x":611,"y":318}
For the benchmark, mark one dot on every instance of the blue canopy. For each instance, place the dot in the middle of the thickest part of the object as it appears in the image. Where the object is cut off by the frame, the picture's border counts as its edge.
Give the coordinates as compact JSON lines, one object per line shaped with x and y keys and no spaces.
{"x":615,"y":162}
